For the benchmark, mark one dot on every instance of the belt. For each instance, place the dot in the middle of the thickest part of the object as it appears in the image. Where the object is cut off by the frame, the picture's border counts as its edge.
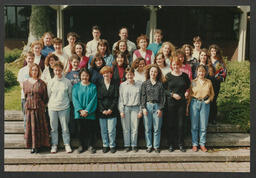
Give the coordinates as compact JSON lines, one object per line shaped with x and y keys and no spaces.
{"x":201,"y":99}
{"x":153,"y":101}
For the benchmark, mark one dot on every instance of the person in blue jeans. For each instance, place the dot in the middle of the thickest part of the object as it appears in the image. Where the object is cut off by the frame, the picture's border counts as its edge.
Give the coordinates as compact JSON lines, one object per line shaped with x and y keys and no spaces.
{"x":130,"y":109}
{"x":107,"y":109}
{"x":59,"y":91}
{"x":201,"y":95}
{"x":152,"y":104}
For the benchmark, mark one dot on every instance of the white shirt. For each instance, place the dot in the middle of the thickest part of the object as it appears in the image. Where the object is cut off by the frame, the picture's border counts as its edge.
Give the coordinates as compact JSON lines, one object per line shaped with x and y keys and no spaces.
{"x":165,"y":70}
{"x":64,"y":59}
{"x":67,"y":51}
{"x":46,"y":76}
{"x":23,"y":75}
{"x":139,"y":76}
{"x":91,"y":48}
{"x":37,"y":59}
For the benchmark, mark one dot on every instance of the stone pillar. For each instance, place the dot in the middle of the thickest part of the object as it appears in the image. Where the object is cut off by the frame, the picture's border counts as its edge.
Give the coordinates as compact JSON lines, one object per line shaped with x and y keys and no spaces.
{"x":242,"y":33}
{"x":59,"y":23}
{"x":60,"y":26}
{"x":152,"y":22}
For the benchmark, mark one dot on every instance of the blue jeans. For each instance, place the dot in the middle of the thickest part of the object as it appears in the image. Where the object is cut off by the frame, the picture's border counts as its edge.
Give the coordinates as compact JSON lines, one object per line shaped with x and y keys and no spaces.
{"x":199,"y":114}
{"x":130,"y":125}
{"x":24,"y":112}
{"x":63,"y":116}
{"x":152,"y":120}
{"x":108,"y":131}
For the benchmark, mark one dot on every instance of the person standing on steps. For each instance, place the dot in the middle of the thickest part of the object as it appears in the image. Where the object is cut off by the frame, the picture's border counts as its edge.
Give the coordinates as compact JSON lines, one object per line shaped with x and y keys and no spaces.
{"x":107,"y":109}
{"x":201,"y":95}
{"x":35,"y":91}
{"x":152,"y":104}
{"x":84,"y":97}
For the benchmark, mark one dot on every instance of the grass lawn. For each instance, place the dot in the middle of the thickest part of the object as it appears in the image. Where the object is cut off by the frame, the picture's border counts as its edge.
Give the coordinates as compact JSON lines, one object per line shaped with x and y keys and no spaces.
{"x":12,"y":99}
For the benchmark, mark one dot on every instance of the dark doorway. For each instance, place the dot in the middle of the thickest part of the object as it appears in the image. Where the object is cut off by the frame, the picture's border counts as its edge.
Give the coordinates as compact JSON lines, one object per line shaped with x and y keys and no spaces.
{"x":109,"y":18}
{"x":212,"y":24}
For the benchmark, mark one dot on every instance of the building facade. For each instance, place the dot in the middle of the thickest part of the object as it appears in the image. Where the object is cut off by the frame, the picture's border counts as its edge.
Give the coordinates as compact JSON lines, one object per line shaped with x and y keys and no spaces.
{"x":225,"y":26}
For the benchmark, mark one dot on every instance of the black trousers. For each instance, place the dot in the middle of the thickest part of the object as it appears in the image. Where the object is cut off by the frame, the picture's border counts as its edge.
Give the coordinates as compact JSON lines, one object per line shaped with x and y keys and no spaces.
{"x":175,"y":122}
{"x":213,"y":104}
{"x":87,"y":132}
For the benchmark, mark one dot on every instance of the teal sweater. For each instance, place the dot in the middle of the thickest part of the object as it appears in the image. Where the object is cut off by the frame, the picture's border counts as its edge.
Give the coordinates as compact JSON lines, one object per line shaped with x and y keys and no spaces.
{"x":84,"y":98}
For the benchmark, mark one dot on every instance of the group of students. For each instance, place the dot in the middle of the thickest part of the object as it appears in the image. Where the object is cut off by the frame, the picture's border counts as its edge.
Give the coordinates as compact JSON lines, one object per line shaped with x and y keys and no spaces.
{"x":83,"y":87}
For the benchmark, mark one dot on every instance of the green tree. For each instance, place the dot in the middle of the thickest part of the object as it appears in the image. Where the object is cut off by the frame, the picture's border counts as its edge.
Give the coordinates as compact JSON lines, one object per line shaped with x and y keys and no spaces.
{"x":40,"y":22}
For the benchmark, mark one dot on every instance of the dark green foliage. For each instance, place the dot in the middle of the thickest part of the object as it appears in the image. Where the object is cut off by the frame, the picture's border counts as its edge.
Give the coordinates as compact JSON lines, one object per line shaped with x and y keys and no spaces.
{"x":234,"y":98}
{"x":9,"y":78}
{"x":40,"y":20}
{"x":12,"y":55}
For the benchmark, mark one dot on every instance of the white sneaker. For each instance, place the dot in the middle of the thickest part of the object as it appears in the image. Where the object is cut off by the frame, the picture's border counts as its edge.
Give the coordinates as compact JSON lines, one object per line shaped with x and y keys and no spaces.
{"x":54,"y":149}
{"x":68,"y":148}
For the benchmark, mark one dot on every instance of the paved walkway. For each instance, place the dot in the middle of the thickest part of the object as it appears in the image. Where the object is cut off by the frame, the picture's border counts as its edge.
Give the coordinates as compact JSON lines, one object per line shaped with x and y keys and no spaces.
{"x":179,"y":167}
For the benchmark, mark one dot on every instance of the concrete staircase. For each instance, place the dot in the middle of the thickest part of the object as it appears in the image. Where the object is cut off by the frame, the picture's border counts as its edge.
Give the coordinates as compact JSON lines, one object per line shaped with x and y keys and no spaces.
{"x":226,"y":142}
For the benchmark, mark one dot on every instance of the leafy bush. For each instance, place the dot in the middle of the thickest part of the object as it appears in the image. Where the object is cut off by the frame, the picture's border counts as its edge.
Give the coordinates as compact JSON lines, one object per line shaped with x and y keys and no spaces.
{"x":234,"y":98}
{"x":12,"y":55}
{"x":9,"y":78}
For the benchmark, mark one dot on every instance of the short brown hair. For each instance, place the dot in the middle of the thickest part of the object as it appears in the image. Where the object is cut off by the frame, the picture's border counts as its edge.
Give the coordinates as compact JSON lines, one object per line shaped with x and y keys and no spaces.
{"x":180,"y":52}
{"x":73,"y":34}
{"x":207,"y":54}
{"x":141,"y":37}
{"x":197,"y":39}
{"x":57,"y":41}
{"x":176,"y":60}
{"x":36,"y":43}
{"x":74,"y":56}
{"x":38,"y":67}
{"x":86,"y":71}
{"x":49,"y":56}
{"x":29,"y":53}
{"x":129,"y":70}
{"x":157,"y":31}
{"x":96,"y":57}
{"x":106,"y":69}
{"x":95,"y":27}
{"x":104,"y":43}
{"x":58,"y":64}
{"x":125,"y":64}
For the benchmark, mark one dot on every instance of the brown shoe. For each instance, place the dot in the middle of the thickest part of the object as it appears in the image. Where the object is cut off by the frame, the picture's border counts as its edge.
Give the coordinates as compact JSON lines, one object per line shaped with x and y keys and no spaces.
{"x":203,"y":148}
{"x":194,"y":148}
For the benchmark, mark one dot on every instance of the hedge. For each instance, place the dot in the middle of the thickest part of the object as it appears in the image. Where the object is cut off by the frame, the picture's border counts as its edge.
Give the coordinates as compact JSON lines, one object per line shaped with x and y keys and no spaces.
{"x":9,"y":78}
{"x":12,"y":55}
{"x":234,"y":98}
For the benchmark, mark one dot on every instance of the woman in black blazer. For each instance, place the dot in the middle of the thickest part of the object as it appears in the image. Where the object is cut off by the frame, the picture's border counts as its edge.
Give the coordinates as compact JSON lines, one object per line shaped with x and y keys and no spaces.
{"x":107,"y":109}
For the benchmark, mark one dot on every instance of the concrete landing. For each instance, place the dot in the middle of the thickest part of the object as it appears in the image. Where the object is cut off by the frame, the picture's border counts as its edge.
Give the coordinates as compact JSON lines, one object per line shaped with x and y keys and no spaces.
{"x":213,"y":140}
{"x":23,"y":156}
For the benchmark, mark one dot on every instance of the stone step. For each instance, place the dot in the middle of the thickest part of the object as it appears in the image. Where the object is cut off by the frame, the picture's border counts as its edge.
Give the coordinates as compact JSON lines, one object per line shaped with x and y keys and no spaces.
{"x":213,"y":140}
{"x":13,"y":115}
{"x":23,"y":156}
{"x":17,"y":127}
